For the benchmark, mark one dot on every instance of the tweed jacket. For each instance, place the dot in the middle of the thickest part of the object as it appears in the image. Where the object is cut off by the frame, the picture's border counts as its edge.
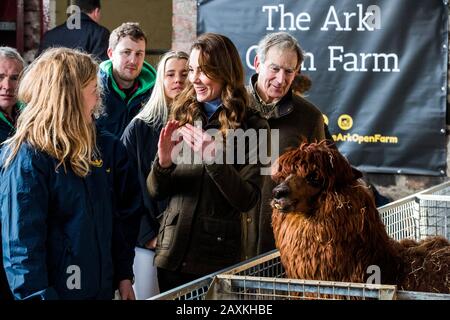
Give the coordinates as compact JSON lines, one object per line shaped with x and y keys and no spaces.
{"x":296,"y":120}
{"x":200,"y":231}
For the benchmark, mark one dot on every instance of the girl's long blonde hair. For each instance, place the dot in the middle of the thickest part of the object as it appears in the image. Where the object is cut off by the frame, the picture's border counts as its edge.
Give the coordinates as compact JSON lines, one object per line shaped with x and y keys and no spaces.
{"x":156,"y":110}
{"x":53,"y":120}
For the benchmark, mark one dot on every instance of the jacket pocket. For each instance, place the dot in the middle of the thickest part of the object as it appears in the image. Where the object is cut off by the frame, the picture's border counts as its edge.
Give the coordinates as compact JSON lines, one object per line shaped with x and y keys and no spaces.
{"x":166,"y":237}
{"x":167,"y":231}
{"x":220,"y":238}
{"x":172,"y":218}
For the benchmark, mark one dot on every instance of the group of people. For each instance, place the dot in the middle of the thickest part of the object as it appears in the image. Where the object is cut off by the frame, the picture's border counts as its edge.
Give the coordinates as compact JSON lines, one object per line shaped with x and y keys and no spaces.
{"x":90,"y":177}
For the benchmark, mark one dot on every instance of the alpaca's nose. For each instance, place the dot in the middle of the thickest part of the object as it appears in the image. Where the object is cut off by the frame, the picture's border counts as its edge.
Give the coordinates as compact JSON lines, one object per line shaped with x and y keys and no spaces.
{"x":280,"y":191}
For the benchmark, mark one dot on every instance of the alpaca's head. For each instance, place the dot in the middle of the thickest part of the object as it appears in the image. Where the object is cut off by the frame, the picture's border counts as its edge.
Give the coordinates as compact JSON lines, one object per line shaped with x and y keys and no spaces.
{"x":305,"y":173}
{"x":324,"y":219}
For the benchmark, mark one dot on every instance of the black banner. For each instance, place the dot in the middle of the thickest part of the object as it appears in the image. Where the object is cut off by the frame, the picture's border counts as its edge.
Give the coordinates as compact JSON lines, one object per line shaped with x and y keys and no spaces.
{"x":378,"y":67}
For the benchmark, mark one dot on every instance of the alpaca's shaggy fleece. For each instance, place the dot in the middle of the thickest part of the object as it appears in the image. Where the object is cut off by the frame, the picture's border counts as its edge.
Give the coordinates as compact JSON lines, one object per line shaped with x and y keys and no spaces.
{"x":327,"y":227}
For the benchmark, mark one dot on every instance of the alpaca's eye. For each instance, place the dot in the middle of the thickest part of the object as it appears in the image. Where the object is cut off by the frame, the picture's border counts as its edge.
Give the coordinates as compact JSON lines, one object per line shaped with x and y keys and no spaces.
{"x":314,"y":180}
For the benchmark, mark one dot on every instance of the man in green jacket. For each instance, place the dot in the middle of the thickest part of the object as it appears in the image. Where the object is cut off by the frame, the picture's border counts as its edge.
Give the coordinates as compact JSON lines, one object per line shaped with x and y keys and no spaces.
{"x":11,"y":65}
{"x":127,"y":79}
{"x":277,"y":62}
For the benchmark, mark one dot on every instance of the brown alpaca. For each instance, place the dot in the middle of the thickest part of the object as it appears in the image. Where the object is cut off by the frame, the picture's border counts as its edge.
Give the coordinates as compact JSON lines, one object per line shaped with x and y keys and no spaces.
{"x":327,"y":227}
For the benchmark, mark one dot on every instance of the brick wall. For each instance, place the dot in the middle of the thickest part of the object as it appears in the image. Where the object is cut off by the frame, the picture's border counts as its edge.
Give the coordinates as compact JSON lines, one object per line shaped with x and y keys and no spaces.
{"x":184,"y":24}
{"x":32,"y":28}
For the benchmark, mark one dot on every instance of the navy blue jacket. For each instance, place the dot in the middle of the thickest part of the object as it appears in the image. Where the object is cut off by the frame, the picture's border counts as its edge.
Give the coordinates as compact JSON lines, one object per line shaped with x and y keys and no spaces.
{"x":54,"y":222}
{"x":118,"y":110}
{"x":141,"y":141}
{"x":90,"y":37}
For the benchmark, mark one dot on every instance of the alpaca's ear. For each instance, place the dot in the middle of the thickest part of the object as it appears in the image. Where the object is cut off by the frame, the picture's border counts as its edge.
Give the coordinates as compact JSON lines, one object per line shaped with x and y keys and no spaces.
{"x":356,"y":173}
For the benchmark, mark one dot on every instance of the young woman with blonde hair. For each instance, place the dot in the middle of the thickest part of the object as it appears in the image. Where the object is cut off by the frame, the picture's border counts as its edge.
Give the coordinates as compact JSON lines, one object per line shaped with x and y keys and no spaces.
{"x":66,"y":225}
{"x":201,"y":227}
{"x":141,"y":141}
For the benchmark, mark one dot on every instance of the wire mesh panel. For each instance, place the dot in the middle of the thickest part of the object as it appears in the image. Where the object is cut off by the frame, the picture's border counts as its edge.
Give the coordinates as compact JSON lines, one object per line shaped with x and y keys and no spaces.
{"x":434,"y":215}
{"x":401,"y":220}
{"x":233,"y":287}
{"x":195,"y":290}
{"x":268,"y":265}
{"x":418,"y":217}
{"x":442,"y":189}
{"x":421,"y":215}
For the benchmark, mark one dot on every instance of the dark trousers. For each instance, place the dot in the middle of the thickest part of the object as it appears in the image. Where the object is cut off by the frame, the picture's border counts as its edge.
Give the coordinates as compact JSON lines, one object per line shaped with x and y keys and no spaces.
{"x":171,"y":279}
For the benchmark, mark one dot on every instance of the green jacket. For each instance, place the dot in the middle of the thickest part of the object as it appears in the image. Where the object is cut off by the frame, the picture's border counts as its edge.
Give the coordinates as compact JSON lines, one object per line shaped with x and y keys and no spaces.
{"x":201,"y":228}
{"x":118,"y":111}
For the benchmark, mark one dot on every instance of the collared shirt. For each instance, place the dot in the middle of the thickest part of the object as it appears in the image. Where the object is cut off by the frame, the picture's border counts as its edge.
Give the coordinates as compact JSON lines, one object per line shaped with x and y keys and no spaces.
{"x":267,"y":110}
{"x":212,"y":106}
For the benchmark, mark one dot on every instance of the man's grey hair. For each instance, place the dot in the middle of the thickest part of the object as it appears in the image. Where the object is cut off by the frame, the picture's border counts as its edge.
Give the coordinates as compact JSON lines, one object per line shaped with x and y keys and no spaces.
{"x":282,"y":41}
{"x":11,"y":53}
